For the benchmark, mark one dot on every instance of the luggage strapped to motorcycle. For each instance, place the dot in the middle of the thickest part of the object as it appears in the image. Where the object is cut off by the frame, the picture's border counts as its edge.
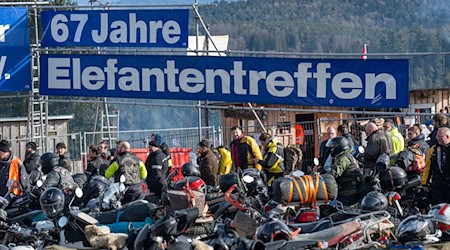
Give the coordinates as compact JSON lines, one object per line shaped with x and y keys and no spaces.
{"x":310,"y":190}
{"x":190,"y":196}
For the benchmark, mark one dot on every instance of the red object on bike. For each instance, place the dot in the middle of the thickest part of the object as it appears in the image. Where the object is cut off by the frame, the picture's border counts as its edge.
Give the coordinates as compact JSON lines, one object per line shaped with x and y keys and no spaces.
{"x":307,"y":216}
{"x":234,"y":202}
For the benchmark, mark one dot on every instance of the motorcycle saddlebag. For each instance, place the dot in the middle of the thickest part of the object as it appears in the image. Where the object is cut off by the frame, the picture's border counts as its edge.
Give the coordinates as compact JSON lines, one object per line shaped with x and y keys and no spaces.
{"x":286,"y":190}
{"x":178,"y":199}
{"x":227,"y":180}
{"x":135,"y":211}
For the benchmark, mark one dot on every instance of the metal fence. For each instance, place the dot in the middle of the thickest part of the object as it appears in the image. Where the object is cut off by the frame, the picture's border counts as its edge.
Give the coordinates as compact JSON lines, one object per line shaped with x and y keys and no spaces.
{"x":73,"y":143}
{"x":175,"y":138}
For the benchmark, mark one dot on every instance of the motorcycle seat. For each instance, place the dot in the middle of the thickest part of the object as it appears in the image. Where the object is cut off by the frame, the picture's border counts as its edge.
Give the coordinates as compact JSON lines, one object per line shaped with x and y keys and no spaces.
{"x":311,"y":227}
{"x":332,"y":235}
{"x":327,"y":222}
{"x":212,"y":198}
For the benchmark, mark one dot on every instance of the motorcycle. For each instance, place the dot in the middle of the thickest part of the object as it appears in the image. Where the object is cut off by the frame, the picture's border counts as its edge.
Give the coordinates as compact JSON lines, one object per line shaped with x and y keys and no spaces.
{"x":167,"y":231}
{"x":68,"y":228}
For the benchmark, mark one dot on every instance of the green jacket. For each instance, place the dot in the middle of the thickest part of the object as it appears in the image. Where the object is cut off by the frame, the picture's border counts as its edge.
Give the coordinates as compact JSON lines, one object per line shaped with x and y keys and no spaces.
{"x":398,"y":141}
{"x":340,"y":163}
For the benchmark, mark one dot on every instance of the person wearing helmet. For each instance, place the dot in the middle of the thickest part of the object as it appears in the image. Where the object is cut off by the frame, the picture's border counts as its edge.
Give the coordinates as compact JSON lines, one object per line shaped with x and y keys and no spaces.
{"x":273,"y":230}
{"x":14,"y":178}
{"x":52,"y":202}
{"x":437,"y":168}
{"x":208,"y":165}
{"x":273,"y":162}
{"x":157,"y":166}
{"x":374,"y":201}
{"x":130,"y":166}
{"x":57,"y":176}
{"x":345,"y":170}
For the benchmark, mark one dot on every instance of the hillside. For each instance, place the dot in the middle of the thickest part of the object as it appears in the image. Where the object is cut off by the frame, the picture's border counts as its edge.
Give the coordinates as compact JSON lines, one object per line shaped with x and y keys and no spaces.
{"x":341,"y":26}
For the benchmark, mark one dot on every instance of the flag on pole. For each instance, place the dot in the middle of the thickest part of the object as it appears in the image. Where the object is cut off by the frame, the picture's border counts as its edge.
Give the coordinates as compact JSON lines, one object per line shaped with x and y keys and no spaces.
{"x":364,"y":52}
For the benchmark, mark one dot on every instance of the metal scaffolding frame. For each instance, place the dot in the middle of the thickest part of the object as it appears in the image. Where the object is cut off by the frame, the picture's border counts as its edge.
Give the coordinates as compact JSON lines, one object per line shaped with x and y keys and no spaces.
{"x":38,"y":105}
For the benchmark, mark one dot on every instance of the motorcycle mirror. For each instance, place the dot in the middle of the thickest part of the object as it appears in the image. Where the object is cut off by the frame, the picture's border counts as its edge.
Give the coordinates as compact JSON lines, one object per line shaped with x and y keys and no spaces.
{"x":121,"y":187}
{"x":122,"y":178}
{"x":298,"y":173}
{"x":316,"y":161}
{"x":79,"y":192}
{"x":248,"y":179}
{"x":361,"y":149}
{"x":62,"y":222}
{"x":39,"y":183}
{"x":3,"y":202}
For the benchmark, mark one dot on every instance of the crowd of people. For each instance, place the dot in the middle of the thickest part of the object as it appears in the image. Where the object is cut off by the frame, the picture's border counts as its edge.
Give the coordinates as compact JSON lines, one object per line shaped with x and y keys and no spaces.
{"x":338,"y":156}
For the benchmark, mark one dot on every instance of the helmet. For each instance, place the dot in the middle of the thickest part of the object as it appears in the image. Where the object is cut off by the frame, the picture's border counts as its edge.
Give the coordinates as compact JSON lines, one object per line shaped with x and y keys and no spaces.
{"x":273,"y":230}
{"x":415,"y":228}
{"x":227,"y":180}
{"x":257,"y":184}
{"x":374,"y":201}
{"x":337,"y":145}
{"x":393,"y":178}
{"x":189,"y":169}
{"x":194,"y":182}
{"x":48,"y":161}
{"x":441,"y":215}
{"x":52,"y":202}
{"x":383,"y":162}
{"x":96,"y":187}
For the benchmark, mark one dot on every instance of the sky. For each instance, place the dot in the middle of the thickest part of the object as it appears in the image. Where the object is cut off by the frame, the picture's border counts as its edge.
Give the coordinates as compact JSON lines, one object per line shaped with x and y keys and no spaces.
{"x":137,"y":2}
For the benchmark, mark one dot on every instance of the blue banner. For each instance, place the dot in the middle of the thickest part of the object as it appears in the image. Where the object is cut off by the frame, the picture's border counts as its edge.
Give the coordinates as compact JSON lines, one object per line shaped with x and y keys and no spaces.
{"x":15,"y":57}
{"x":344,"y":83}
{"x":116,"y":28}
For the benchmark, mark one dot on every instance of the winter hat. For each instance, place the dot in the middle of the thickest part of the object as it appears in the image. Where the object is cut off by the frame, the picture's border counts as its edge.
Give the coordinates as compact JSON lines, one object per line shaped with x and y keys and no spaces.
{"x":31,"y":145}
{"x":4,"y":146}
{"x":60,"y":145}
{"x":154,"y":144}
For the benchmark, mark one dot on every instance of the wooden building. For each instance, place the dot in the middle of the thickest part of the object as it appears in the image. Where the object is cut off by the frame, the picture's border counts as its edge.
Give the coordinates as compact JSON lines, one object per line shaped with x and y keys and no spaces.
{"x":285,"y":125}
{"x":14,"y":129}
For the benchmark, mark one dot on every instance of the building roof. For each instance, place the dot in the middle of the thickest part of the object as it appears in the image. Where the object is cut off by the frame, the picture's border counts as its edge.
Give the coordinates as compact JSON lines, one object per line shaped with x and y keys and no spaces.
{"x":24,"y":119}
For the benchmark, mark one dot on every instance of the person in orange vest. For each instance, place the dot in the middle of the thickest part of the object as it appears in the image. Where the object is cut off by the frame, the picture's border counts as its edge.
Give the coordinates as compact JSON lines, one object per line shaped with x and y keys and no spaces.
{"x":13,"y":175}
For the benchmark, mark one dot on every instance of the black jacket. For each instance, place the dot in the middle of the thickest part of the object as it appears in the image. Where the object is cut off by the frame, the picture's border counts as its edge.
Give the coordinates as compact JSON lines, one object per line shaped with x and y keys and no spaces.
{"x":377,"y":143}
{"x":157,"y":169}
{"x":31,"y":162}
{"x":65,"y":162}
{"x":420,"y":141}
{"x":432,"y":136}
{"x":97,"y":166}
{"x":324,"y":152}
{"x":352,"y":142}
{"x":60,"y":177}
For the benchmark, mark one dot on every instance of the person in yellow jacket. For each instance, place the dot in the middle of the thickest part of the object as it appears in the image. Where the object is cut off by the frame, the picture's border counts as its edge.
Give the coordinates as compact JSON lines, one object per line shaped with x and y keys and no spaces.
{"x":225,"y":162}
{"x":398,"y":141}
{"x":129,"y":165}
{"x":273,"y":159}
{"x":243,"y":150}
{"x":437,"y":168}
